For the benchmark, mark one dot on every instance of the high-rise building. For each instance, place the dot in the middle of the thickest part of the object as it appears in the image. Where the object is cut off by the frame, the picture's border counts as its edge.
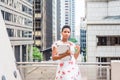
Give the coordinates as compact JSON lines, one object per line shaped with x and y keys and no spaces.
{"x":67,"y":14}
{"x":17,"y":15}
{"x":46,"y":23}
{"x":56,"y":19}
{"x":37,"y":29}
{"x":42,"y":23}
{"x":63,"y":14}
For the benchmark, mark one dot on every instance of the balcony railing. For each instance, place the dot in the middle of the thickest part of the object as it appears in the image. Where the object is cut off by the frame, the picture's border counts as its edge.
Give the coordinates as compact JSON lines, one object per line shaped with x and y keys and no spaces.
{"x":47,"y":70}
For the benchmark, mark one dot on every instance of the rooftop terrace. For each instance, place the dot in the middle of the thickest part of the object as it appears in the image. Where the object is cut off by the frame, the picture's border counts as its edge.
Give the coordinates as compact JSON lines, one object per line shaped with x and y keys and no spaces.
{"x":89,"y":70}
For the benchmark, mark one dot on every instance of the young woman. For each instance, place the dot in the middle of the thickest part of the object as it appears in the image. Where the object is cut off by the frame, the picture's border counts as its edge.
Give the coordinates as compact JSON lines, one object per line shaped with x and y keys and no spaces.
{"x":67,"y":67}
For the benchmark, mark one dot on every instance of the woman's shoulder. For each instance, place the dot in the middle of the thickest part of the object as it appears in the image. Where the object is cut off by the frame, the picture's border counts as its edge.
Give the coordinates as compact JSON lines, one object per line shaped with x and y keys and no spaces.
{"x":71,"y":43}
{"x":57,"y":42}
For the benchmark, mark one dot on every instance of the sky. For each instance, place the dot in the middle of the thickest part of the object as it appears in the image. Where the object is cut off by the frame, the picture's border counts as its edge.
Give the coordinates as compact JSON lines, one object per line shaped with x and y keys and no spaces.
{"x":79,"y":11}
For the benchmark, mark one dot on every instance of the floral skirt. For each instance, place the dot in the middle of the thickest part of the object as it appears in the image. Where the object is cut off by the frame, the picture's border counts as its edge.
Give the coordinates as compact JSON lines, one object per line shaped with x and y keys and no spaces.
{"x":68,"y":70}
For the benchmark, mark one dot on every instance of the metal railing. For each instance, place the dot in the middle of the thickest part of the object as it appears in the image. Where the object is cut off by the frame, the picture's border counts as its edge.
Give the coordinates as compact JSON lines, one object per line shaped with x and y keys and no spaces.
{"x":46,"y":70}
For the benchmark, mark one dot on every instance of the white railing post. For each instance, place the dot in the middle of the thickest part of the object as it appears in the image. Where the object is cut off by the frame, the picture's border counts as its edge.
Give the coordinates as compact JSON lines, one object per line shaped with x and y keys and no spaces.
{"x":115,"y":70}
{"x":108,"y":73}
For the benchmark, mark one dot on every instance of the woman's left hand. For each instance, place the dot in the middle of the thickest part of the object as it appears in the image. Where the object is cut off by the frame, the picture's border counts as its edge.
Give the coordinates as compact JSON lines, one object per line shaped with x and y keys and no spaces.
{"x":77,"y":52}
{"x":77,"y":47}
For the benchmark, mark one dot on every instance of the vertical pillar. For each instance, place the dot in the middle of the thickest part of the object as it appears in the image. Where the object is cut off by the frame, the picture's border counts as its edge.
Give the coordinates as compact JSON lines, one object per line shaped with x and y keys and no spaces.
{"x":20,"y":53}
{"x":31,"y":51}
{"x":115,"y":70}
{"x":27,"y":53}
{"x":13,"y":48}
{"x":108,"y":73}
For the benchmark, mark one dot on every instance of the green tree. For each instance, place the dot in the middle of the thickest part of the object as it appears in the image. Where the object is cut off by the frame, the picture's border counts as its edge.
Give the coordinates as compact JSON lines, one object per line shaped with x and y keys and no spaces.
{"x":37,"y":55}
{"x":73,"y":40}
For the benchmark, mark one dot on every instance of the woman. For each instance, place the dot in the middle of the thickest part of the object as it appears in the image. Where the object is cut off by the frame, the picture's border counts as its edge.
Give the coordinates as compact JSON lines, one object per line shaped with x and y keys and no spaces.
{"x":67,"y":68}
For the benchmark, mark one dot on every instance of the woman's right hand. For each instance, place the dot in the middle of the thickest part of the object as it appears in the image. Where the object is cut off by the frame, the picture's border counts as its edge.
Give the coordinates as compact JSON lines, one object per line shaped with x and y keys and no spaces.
{"x":68,"y":52}
{"x":56,"y":56}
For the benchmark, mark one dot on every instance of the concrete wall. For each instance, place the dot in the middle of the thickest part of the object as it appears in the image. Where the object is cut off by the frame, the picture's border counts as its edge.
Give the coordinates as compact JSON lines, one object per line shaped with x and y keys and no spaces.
{"x":96,"y":11}
{"x":43,"y":71}
{"x":104,"y":51}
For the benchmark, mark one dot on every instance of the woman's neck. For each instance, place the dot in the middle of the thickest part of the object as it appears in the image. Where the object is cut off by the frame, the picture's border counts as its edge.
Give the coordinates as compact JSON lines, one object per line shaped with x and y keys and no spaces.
{"x":64,"y":40}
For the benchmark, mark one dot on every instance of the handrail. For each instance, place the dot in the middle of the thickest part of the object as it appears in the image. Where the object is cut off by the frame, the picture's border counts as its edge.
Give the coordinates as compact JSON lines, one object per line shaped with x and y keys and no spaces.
{"x":51,"y":64}
{"x":55,"y":63}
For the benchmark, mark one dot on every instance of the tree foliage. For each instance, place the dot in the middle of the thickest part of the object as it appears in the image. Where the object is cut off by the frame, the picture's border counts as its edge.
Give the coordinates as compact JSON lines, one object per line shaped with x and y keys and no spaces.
{"x":37,"y":55}
{"x":73,"y":40}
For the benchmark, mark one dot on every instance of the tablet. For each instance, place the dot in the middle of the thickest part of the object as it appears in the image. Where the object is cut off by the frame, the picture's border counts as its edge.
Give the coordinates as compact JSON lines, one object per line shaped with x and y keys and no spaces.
{"x":62,"y":48}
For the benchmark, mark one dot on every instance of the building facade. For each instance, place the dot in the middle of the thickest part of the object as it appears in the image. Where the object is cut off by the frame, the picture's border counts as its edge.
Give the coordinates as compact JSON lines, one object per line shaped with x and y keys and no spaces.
{"x":37,"y":33}
{"x":46,"y":23}
{"x":82,"y":38}
{"x":103,"y":31}
{"x":103,"y":25}
{"x":17,"y":15}
{"x":56,"y":19}
{"x":42,"y":23}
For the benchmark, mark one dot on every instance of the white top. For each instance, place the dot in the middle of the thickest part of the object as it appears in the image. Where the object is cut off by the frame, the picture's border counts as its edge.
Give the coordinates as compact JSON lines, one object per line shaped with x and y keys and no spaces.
{"x":63,"y":47}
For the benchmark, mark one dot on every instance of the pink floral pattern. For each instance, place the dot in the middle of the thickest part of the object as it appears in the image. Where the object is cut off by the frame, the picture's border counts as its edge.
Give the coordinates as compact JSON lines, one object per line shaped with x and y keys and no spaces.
{"x":68,"y":69}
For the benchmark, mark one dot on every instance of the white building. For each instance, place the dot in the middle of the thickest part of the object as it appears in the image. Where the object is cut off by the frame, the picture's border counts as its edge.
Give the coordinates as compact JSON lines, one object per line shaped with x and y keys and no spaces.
{"x":17,"y":15}
{"x":103,"y":30}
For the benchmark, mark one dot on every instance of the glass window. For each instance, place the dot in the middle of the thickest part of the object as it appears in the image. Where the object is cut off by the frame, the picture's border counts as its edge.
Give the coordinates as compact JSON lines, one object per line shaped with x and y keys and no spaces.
{"x":15,"y":4}
{"x":2,"y":0}
{"x":15,"y":18}
{"x":30,"y":34}
{"x":30,"y":11}
{"x":27,"y":34}
{"x":27,"y":22}
{"x":24,"y":33}
{"x":30,"y":1}
{"x":38,"y":37}
{"x":18,"y":33}
{"x":108,"y":40}
{"x":10,"y":32}
{"x":24,"y":8}
{"x":8,"y":16}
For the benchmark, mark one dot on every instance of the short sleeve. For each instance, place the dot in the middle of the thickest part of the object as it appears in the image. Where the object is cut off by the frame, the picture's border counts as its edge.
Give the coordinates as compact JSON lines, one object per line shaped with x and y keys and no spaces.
{"x":54,"y":45}
{"x":72,"y":44}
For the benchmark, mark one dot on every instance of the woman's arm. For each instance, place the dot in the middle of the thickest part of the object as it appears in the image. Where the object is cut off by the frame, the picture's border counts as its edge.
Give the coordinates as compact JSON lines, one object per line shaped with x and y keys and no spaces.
{"x":56,"y":56}
{"x":77,"y":52}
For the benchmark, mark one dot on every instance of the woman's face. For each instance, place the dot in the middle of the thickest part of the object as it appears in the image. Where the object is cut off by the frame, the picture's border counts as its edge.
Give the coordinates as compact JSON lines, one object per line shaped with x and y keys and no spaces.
{"x":66,"y":33}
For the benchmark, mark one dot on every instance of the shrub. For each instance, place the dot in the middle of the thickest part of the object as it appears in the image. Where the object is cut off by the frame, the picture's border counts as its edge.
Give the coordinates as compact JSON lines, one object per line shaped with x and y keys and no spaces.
{"x":37,"y":55}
